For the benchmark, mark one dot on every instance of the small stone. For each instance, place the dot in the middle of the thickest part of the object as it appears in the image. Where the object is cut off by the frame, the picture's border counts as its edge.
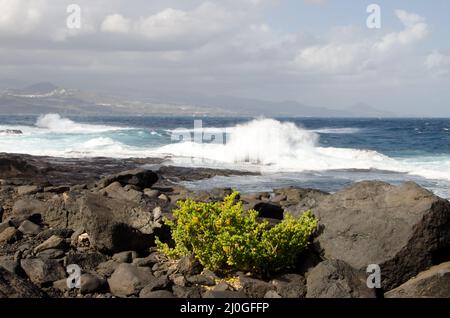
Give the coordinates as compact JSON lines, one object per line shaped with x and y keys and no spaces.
{"x":10,"y":235}
{"x":29,"y":228}
{"x":128,"y":279}
{"x":224,"y":294}
{"x":87,"y":260}
{"x":158,"y":283}
{"x":189,"y":265}
{"x":201,"y":279}
{"x":187,"y":292}
{"x":156,"y":294}
{"x":148,"y":261}
{"x":152,"y":194}
{"x":61,"y":285}
{"x":28,"y":190}
{"x":272,"y":294}
{"x":163,"y":197}
{"x":253,"y":287}
{"x":278,"y":198}
{"x":106,"y":269}
{"x":57,"y":190}
{"x":74,"y":237}
{"x":9,"y":263}
{"x":51,"y":254}
{"x":222,"y":286}
{"x":42,"y":271}
{"x":54,"y":242}
{"x":290,"y":286}
{"x":124,"y":257}
{"x":91,"y":283}
{"x":179,"y":280}
{"x":83,"y":240}
{"x":4,"y":226}
{"x":157,"y":213}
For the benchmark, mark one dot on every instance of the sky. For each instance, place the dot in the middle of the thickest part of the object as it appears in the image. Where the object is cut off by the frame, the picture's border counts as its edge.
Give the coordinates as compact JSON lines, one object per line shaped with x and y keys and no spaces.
{"x":317,"y":52}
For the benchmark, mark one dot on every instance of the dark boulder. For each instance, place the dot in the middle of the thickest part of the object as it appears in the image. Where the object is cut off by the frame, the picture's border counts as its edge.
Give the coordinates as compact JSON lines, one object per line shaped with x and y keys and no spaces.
{"x":189,"y":265}
{"x":12,"y":286}
{"x":269,"y":210}
{"x":42,"y":272}
{"x":140,"y":178}
{"x":434,"y":283}
{"x":187,"y":292}
{"x":87,"y":261}
{"x":254,"y":288}
{"x":116,"y":225}
{"x":290,"y":286}
{"x":337,"y":279}
{"x":403,"y":229}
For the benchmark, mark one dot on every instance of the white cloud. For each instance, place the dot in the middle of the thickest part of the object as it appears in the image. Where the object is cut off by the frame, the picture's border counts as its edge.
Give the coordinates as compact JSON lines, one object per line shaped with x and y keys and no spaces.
{"x":19,"y":16}
{"x":438,"y":63}
{"x":177,"y":26}
{"x":415,"y":29}
{"x":354,"y":56}
{"x":116,"y":23}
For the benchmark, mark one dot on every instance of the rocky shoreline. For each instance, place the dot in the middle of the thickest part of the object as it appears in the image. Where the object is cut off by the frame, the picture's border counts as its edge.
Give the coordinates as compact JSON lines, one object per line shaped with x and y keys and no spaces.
{"x":103,"y":215}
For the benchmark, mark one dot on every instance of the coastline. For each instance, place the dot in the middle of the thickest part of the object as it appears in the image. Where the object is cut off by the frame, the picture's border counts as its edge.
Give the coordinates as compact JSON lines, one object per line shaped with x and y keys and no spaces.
{"x":56,"y":212}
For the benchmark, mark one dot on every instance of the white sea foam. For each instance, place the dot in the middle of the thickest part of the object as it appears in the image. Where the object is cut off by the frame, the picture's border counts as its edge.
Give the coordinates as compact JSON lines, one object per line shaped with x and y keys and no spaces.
{"x":58,"y":124}
{"x":277,"y":146}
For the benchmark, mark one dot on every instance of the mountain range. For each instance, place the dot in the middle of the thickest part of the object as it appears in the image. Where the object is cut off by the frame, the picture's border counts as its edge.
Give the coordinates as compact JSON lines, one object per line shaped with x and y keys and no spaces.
{"x":46,"y":97}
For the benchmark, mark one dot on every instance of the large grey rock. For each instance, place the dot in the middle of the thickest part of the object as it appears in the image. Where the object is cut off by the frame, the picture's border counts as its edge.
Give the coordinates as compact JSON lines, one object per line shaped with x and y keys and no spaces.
{"x":12,"y":286}
{"x":128,"y":279}
{"x":337,"y":279}
{"x":400,"y":228}
{"x":61,"y":211}
{"x":116,"y":225}
{"x":138,"y":177}
{"x":29,"y":208}
{"x":434,"y":283}
{"x":41,"y":271}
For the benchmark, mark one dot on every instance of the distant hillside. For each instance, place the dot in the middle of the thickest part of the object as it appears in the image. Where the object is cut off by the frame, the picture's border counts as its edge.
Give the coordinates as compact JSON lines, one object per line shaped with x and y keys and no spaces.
{"x":46,"y":98}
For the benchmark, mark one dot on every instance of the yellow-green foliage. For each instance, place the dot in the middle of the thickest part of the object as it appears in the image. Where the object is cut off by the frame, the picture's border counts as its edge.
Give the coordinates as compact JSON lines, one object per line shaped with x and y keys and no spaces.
{"x":223,"y":237}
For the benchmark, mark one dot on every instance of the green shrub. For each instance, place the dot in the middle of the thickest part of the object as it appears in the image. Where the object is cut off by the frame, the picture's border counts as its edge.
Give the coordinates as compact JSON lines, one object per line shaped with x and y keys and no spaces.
{"x":223,"y":237}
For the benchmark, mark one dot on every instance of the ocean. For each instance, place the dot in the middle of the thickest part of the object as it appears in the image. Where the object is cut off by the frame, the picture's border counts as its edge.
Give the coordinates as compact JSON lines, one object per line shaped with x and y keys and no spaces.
{"x":320,"y":153}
